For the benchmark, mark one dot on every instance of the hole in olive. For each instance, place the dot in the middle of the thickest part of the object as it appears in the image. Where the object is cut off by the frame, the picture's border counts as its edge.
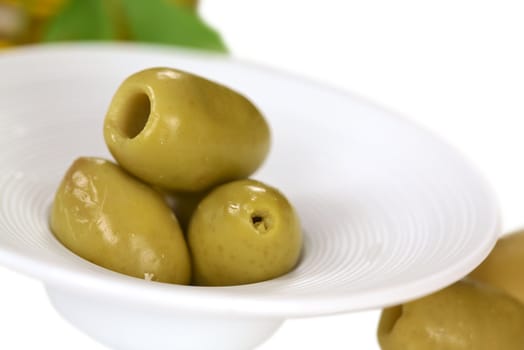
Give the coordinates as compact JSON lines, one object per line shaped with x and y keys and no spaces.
{"x":256,"y":219}
{"x":261,"y":221}
{"x":135,"y":115}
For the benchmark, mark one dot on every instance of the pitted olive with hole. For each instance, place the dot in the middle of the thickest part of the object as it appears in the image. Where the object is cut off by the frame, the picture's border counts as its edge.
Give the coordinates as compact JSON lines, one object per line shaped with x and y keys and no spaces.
{"x":243,"y":232}
{"x":464,"y":316}
{"x":108,"y":217}
{"x":184,"y":133}
{"x":504,"y":266}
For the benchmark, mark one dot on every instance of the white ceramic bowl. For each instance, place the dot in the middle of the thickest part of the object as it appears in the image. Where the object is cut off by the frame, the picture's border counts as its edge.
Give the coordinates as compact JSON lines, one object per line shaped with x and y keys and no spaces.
{"x":389,"y":212}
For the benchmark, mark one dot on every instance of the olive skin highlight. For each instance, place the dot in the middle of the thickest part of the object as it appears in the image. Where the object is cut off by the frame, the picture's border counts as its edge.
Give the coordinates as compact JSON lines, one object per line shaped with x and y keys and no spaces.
{"x":465,"y":316}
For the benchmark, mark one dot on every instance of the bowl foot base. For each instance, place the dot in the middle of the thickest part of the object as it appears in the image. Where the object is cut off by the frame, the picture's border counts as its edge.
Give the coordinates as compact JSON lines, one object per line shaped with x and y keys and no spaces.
{"x":123,"y":326}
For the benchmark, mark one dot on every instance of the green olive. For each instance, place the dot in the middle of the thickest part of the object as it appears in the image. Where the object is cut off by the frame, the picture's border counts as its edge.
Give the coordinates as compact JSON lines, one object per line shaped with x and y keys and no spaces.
{"x":106,"y":216}
{"x":464,"y":316}
{"x":182,"y":132}
{"x":243,"y":232}
{"x":184,"y":205}
{"x":504,"y":267}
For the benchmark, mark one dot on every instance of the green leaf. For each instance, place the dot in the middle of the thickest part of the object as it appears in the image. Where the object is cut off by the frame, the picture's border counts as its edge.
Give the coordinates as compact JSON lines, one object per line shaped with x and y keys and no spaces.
{"x":155,"y":21}
{"x":81,"y":20}
{"x":160,"y":21}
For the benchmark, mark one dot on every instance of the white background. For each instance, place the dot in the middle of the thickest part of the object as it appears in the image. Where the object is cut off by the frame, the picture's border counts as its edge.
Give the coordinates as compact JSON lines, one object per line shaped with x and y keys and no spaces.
{"x":456,"y":67}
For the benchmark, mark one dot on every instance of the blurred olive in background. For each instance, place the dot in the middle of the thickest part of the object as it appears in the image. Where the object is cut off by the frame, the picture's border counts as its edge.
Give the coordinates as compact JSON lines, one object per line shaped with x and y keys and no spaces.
{"x":464,"y":316}
{"x":504,"y":267}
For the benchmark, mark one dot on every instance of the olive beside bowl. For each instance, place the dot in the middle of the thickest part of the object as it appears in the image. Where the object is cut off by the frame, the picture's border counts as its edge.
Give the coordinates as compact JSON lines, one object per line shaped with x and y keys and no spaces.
{"x":388,"y":212}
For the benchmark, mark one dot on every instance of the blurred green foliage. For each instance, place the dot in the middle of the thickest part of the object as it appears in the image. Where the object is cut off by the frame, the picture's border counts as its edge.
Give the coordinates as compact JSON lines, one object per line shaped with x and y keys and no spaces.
{"x":171,"y":22}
